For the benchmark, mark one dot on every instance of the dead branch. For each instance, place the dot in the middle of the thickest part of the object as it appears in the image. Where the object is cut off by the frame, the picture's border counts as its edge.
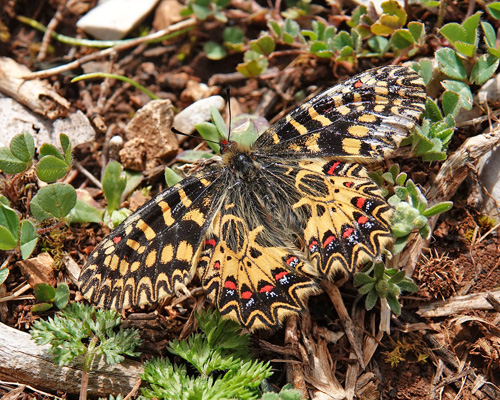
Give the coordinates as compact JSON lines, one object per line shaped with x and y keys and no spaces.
{"x":22,"y":360}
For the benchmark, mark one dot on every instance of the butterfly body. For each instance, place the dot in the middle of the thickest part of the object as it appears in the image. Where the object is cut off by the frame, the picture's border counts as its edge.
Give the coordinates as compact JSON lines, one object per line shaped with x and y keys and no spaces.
{"x":261,"y":225}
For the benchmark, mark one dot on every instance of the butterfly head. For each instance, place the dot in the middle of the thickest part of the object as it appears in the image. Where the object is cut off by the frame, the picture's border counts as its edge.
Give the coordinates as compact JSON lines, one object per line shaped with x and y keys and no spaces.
{"x":238,"y":159}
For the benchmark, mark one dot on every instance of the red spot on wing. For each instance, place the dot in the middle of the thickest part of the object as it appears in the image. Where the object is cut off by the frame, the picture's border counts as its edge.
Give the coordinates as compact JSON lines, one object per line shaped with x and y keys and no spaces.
{"x":266,"y":289}
{"x":210,"y":242}
{"x":360,"y":202}
{"x":332,"y":169}
{"x":117,"y":239}
{"x":348,"y":184}
{"x":230,"y":285}
{"x":358,"y":84}
{"x":291,"y":260}
{"x":314,"y":243}
{"x":281,"y":275}
{"x":246,"y":295}
{"x":328,"y":240}
{"x":362,"y":220}
{"x":348,"y":232}
{"x":217,"y":265}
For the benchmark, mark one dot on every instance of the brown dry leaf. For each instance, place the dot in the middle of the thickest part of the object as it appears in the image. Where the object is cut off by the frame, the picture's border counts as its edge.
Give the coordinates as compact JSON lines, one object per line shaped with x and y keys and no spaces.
{"x":38,"y":270}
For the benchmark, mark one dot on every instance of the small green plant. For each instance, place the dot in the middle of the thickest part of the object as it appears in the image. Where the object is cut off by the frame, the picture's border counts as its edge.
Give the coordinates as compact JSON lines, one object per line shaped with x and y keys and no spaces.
{"x":220,"y":357}
{"x":404,"y":347}
{"x":411,"y":206}
{"x":204,"y":9}
{"x":384,"y":284}
{"x":287,"y":392}
{"x":15,"y":233}
{"x":463,"y":56}
{"x":52,"y":201}
{"x":83,"y":331}
{"x":48,"y":296}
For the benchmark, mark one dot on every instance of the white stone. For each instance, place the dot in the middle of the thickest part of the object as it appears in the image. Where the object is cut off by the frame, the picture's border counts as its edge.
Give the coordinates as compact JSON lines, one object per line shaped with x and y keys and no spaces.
{"x":196,"y":113}
{"x":15,"y":119}
{"x":113,"y":19}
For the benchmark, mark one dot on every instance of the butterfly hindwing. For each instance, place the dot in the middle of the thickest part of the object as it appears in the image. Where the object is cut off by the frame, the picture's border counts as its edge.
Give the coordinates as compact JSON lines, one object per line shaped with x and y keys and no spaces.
{"x":346,"y":218}
{"x":361,"y":119}
{"x":250,"y":280}
{"x":154,"y":252}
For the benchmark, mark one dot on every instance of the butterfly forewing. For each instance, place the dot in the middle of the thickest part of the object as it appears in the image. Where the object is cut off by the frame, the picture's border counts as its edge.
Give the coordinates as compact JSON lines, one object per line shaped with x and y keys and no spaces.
{"x":154,"y":252}
{"x":360,"y":119}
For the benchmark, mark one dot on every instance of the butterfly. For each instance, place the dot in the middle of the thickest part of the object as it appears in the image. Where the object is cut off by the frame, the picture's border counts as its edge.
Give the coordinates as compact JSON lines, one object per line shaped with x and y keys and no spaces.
{"x":261,"y":225}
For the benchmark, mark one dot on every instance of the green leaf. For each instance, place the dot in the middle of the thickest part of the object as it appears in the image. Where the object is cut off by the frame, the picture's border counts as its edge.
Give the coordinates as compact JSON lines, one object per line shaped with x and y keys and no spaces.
{"x":10,"y":220}
{"x":50,"y":150}
{"x":451,"y":103}
{"x":214,"y":51}
{"x":483,"y":69}
{"x":379,"y":45}
{"x":401,"y":178}
{"x":219,"y":122}
{"x":425,"y":69}
{"x":408,"y":286}
{"x":466,"y":49}
{"x":37,"y":211}
{"x":438,"y":209}
{"x":233,"y":34}
{"x":471,"y":25}
{"x":451,"y":64}
{"x":254,"y":64}
{"x":44,"y":292}
{"x":66,"y":146}
{"x":275,"y":27}
{"x":9,"y":163}
{"x":41,"y":307}
{"x":4,"y":273}
{"x":171,"y":177}
{"x":392,"y":7}
{"x":453,"y":32}
{"x":462,"y":90}
{"x":50,"y":168}
{"x":210,"y":133}
{"x":393,"y":304}
{"x":61,"y":297}
{"x":7,"y":240}
{"x":490,"y":37}
{"x":55,"y":200}
{"x":432,"y":111}
{"x":83,"y":212}
{"x":264,"y":45}
{"x":292,"y":28}
{"x":417,"y":29}
{"x":22,"y":147}
{"x":28,"y":238}
{"x":270,"y":396}
{"x":399,"y":244}
{"x":190,"y":156}
{"x":402,"y":39}
{"x":371,"y":300}
{"x":113,"y":185}
{"x":379,"y":271}
{"x":398,"y":277}
{"x":366,"y":288}
{"x":362,"y":278}
{"x":494,"y":9}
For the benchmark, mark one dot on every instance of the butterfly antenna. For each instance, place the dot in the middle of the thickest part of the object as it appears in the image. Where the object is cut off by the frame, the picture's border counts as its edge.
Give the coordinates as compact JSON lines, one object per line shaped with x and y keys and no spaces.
{"x":178,"y":132}
{"x":228,"y":100}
